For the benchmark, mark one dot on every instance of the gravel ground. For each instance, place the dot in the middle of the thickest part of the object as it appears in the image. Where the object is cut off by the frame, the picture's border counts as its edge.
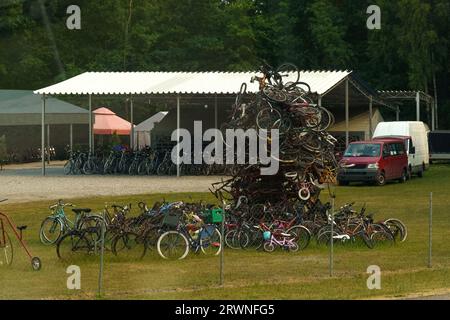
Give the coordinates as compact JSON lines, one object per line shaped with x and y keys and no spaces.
{"x":26,"y":184}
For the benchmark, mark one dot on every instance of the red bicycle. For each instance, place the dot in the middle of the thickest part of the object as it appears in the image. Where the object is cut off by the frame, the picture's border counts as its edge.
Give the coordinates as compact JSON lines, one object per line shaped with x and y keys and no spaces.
{"x":6,"y":247}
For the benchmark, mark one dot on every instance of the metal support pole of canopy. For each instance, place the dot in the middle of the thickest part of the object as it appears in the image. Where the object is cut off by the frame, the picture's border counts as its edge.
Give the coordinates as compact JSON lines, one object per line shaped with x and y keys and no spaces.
{"x":418,"y":106}
{"x":178,"y":136}
{"x":71,"y":137}
{"x":43,"y":135}
{"x":347,"y":135}
{"x":215,"y":112}
{"x":91,"y":147}
{"x":370,"y":117}
{"x":132,"y":124}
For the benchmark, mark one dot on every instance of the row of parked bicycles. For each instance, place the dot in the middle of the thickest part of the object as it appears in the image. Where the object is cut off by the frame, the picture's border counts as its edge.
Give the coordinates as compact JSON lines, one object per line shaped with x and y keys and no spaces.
{"x":173,"y":229}
{"x":146,"y":161}
{"x":294,"y":226}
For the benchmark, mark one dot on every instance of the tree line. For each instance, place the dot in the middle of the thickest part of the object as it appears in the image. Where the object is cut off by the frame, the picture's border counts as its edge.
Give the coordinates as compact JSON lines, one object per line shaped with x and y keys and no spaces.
{"x":410,"y":51}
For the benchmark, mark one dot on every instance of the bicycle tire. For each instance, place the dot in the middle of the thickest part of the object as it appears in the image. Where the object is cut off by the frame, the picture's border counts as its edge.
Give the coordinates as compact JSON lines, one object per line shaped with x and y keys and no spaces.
{"x":382,"y":238}
{"x":72,"y":246}
{"x":269,"y":246}
{"x":302,"y":236}
{"x":56,"y":225}
{"x":229,"y":239}
{"x":68,"y":167}
{"x":88,"y":167}
{"x":143,"y":168}
{"x":129,"y":245}
{"x":400,"y":225}
{"x":160,"y":245}
{"x":274,"y":94}
{"x":286,"y":69}
{"x":6,"y":251}
{"x":209,"y":240}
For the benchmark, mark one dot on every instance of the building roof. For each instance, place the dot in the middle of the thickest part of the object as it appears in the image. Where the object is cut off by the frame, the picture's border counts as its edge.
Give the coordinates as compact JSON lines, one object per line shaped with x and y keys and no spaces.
{"x":22,"y":107}
{"x":124,"y":83}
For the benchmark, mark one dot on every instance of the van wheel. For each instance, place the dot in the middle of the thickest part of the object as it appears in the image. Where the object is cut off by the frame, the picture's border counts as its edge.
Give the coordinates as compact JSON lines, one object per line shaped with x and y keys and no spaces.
{"x":404,"y":177}
{"x":420,"y":173}
{"x":380,"y":180}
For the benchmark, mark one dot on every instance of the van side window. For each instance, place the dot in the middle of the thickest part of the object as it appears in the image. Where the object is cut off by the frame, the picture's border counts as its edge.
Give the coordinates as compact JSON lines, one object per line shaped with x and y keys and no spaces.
{"x":400,"y":148}
{"x":386,"y":150}
{"x":411,"y":146}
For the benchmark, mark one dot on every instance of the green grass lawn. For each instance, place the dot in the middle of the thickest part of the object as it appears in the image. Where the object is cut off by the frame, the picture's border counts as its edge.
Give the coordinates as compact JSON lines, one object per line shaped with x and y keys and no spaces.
{"x":256,"y":275}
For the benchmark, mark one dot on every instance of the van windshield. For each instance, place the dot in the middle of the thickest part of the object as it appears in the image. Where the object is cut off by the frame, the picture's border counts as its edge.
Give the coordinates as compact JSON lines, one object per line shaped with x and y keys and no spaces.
{"x":363,"y":150}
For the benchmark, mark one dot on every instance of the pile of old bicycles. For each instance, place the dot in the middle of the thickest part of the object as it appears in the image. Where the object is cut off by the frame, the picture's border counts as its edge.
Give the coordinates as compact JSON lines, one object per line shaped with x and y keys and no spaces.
{"x":284,"y":111}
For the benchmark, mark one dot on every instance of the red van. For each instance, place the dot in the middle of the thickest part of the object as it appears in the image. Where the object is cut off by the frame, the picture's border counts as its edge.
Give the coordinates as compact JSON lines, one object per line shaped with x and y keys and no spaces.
{"x":376,"y":161}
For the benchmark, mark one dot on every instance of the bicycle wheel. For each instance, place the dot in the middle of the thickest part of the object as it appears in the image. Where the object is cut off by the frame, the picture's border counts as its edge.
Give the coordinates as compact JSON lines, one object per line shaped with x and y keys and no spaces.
{"x":397,"y":228}
{"x":143,"y":168}
{"x":274,"y":94}
{"x":133,"y":169}
{"x":129,"y":245}
{"x":92,"y":228}
{"x":288,"y":70}
{"x":68,"y":167}
{"x":302,"y":236}
{"x":294,"y":247}
{"x":162,"y":169}
{"x":253,"y":239}
{"x":73,"y":246}
{"x":110,"y":236}
{"x":51,"y":230}
{"x":382,"y":239}
{"x":324,"y":237}
{"x":6,"y":250}
{"x":151,"y":238}
{"x":232,"y":240}
{"x":210,"y":240}
{"x":269,"y":246}
{"x":88,"y":167}
{"x":172,"y":245}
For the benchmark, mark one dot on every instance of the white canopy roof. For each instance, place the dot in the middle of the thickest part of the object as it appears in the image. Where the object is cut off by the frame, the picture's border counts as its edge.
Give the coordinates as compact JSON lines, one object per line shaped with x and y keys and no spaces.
{"x":123,"y":83}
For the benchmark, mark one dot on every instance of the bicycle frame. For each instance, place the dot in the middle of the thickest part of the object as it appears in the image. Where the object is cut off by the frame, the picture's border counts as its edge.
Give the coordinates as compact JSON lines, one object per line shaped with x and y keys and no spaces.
{"x":13,"y":227}
{"x":286,"y":242}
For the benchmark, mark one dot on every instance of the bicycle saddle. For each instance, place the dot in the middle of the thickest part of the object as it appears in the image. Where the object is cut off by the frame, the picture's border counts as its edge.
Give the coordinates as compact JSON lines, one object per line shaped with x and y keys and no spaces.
{"x":20,"y":228}
{"x":81,"y":210}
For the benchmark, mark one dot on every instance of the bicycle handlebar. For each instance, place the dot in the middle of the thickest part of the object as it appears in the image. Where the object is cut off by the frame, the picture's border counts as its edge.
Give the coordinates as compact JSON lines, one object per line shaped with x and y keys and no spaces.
{"x":60,"y":204}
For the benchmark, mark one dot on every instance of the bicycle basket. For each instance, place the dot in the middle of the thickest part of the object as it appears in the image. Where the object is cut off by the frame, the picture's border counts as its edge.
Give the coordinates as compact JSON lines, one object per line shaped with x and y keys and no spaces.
{"x":214,"y":216}
{"x":171,"y":219}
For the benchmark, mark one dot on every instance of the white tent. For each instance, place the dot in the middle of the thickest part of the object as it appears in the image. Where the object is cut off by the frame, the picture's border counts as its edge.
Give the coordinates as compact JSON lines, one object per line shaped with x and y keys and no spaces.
{"x":142,"y":132}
